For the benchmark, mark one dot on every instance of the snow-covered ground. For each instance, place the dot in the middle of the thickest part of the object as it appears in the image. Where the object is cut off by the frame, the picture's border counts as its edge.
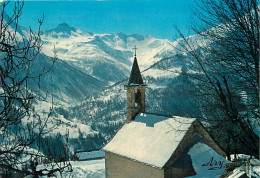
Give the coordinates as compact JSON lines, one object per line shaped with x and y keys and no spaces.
{"x":89,"y":169}
{"x":85,"y":169}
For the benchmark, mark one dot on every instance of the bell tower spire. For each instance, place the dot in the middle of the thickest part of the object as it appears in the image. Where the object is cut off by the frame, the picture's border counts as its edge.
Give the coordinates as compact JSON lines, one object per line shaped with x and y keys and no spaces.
{"x":135,"y":92}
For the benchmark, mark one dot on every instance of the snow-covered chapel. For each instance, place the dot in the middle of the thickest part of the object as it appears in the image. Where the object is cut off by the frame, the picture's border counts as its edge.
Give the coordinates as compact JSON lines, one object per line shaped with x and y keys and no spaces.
{"x":151,"y":145}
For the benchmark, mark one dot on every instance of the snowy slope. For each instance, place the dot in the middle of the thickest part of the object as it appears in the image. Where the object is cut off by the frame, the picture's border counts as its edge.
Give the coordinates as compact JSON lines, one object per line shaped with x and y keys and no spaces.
{"x":62,"y":125}
{"x":66,"y":83}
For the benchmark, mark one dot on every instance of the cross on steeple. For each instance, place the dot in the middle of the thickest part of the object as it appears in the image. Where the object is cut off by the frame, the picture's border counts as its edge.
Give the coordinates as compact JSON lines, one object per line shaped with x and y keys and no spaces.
{"x":135,"y":48}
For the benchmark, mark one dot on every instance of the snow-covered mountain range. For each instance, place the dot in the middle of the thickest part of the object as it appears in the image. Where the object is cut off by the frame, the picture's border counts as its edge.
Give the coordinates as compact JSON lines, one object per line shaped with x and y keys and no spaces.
{"x":107,"y":57}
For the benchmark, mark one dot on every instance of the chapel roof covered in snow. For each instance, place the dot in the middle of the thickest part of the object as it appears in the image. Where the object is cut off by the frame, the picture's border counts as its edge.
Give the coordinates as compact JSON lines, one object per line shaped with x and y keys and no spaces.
{"x":135,"y":76}
{"x":150,"y":139}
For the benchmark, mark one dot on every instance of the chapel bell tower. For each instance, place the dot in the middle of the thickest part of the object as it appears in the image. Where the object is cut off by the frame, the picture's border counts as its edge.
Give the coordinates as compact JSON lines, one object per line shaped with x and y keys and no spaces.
{"x":135,"y":92}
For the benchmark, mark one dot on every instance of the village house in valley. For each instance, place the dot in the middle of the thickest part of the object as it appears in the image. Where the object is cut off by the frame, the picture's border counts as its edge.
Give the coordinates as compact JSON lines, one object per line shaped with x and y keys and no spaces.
{"x":151,"y":145}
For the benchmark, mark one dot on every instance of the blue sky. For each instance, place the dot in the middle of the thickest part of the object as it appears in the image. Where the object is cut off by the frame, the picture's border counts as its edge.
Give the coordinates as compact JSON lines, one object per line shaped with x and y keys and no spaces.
{"x":157,"y":18}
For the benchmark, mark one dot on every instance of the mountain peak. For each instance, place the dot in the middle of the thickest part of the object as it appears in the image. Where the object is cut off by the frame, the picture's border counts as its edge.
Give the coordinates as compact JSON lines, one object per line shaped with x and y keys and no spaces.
{"x":64,"y":28}
{"x":64,"y":25}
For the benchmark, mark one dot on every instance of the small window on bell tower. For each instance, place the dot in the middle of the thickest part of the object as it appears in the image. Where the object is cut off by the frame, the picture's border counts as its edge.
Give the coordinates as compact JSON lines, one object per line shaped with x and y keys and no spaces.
{"x":137,"y":97}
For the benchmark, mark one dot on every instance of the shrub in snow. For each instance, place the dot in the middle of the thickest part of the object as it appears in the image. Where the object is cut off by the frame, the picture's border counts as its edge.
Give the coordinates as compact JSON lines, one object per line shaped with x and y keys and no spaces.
{"x":237,"y":167}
